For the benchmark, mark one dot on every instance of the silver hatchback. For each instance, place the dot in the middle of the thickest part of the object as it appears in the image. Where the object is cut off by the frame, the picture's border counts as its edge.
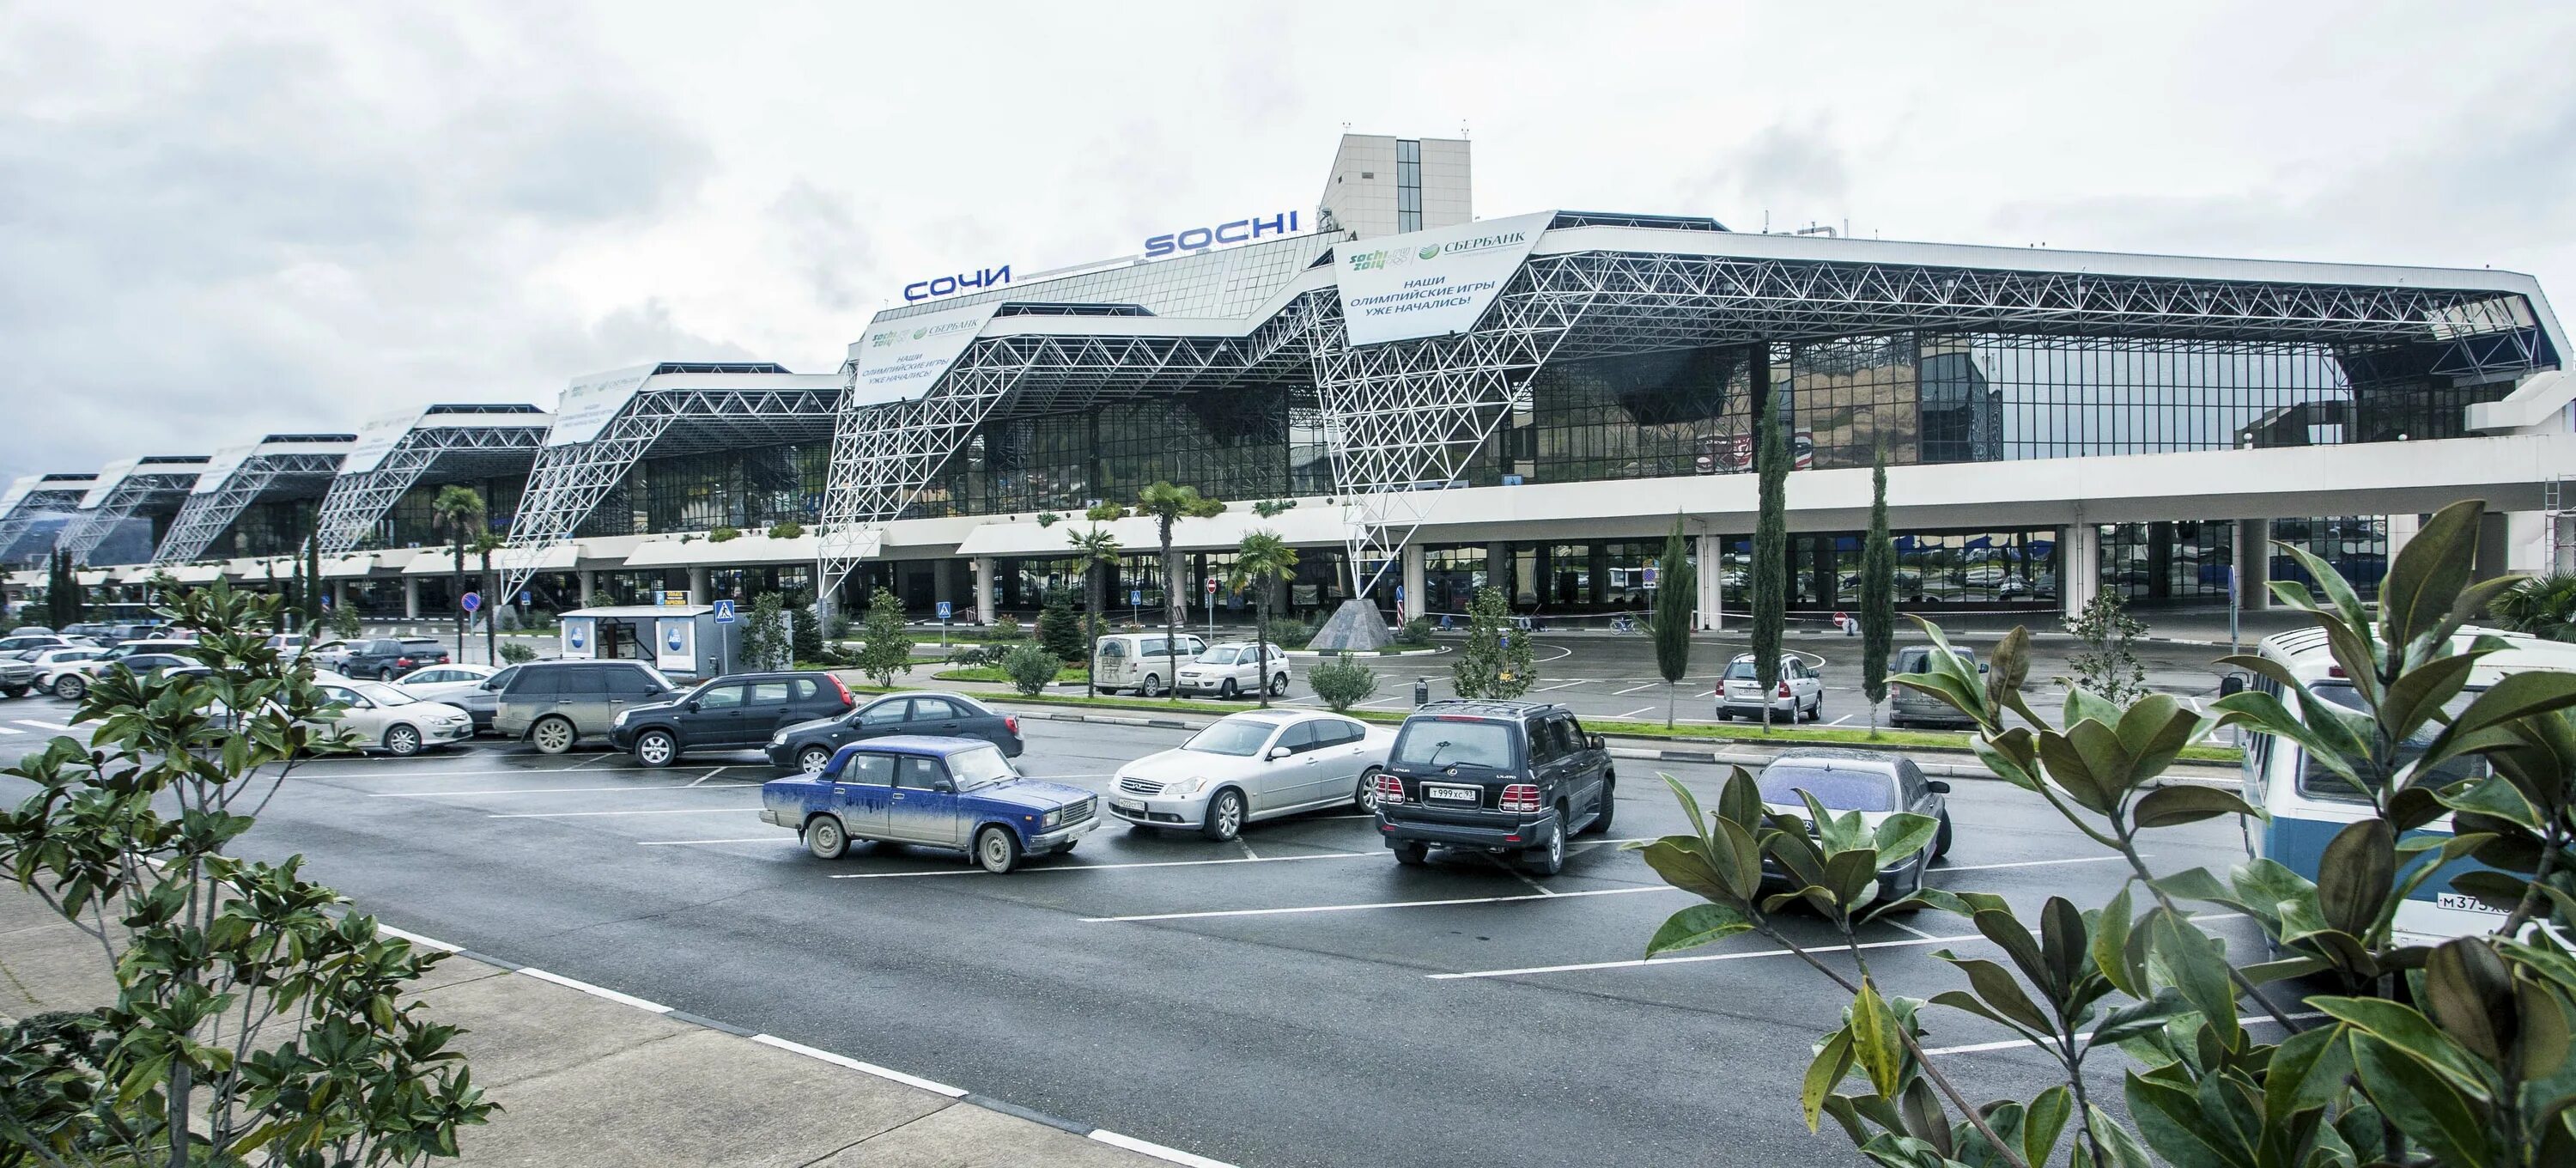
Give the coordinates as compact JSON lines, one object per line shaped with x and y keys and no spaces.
{"x":1907,"y":706}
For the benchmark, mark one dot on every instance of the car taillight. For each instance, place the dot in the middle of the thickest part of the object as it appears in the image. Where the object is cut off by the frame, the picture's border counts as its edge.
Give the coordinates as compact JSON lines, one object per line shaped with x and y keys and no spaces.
{"x":848,"y":701}
{"x":1519,"y":797}
{"x":1390,"y":789}
{"x":402,"y":662}
{"x":1011,"y":722}
{"x":1784,"y":689}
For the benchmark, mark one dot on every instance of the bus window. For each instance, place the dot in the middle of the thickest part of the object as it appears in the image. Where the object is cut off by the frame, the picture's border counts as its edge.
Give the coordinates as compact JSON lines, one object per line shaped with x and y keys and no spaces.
{"x":2317,"y":782}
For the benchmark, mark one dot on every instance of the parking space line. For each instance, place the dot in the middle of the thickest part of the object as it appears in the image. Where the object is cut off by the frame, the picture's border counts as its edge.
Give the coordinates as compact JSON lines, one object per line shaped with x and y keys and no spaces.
{"x":766,"y":839}
{"x":1633,"y":713}
{"x":1325,"y":908}
{"x":713,"y":773}
{"x":1634,"y":962}
{"x":42,"y":725}
{"x":2030,"y":864}
{"x":588,"y":814}
{"x":1043,"y":870}
{"x":550,"y":790}
{"x":2009,"y":1043}
{"x":1561,"y":685}
{"x":387,"y":767}
{"x":1635,"y":688}
{"x":6,"y":730}
{"x":1902,"y":925}
{"x":1246,"y":845}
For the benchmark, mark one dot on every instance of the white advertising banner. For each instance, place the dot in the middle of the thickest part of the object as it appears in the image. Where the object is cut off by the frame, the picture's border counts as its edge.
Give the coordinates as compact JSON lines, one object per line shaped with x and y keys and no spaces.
{"x":377,"y":439}
{"x":1430,"y":283}
{"x":580,"y":638}
{"x":105,"y":485}
{"x":589,"y":402}
{"x":899,"y":360}
{"x":221,"y":467}
{"x":676,"y":646}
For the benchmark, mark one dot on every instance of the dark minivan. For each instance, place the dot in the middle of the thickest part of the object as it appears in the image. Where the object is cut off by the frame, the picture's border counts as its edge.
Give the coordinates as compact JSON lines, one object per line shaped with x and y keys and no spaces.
{"x":808,"y":746}
{"x":1507,"y":778}
{"x":736,"y":712}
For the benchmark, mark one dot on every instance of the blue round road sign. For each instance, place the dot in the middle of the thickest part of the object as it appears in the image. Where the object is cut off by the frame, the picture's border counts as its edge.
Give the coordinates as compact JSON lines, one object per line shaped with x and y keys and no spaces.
{"x":471,"y":601}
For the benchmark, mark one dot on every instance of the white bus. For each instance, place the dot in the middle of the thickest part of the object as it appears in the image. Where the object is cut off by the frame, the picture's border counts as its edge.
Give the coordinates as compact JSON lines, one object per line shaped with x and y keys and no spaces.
{"x":2308,"y":804}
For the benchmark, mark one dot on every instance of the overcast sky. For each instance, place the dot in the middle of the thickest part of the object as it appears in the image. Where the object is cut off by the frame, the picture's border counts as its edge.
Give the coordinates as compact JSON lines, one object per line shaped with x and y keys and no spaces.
{"x":223,"y":220}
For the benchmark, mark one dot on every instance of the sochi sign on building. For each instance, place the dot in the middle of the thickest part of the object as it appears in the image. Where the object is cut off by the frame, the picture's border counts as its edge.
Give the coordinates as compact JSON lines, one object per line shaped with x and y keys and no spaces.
{"x":1183,"y":242}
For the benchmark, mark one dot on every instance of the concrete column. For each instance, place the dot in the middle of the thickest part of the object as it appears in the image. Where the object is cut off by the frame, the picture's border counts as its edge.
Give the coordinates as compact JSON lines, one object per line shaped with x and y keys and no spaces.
{"x":411,"y":598}
{"x":1712,"y":582}
{"x":1415,"y":603}
{"x":986,"y":567}
{"x":588,"y":580}
{"x":2495,"y":546}
{"x":1499,"y":575}
{"x":2079,"y":566}
{"x":339,"y":595}
{"x":2401,"y":531}
{"x":2254,"y":564}
{"x":697,"y":585}
{"x":943,"y":581}
{"x":2527,"y":542}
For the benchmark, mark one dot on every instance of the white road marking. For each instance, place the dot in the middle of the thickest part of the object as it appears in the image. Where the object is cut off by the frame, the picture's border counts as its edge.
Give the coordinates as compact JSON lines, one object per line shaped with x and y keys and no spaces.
{"x":1157,"y":1151}
{"x":1043,"y":870}
{"x":1633,"y":963}
{"x":596,"y":991}
{"x":1325,"y":908}
{"x":864,"y":1068}
{"x":1635,"y":688}
{"x":713,"y":773}
{"x":1902,"y":925}
{"x":2009,"y":1043}
{"x":42,"y":725}
{"x":417,"y":939}
{"x":766,"y":839}
{"x":587,"y":814}
{"x":1632,"y":713}
{"x":6,"y":730}
{"x":1839,"y":721}
{"x":2029,"y":864}
{"x":1246,"y":845}
{"x":548,"y":790}
{"x":601,"y":758}
{"x":380,"y":768}
{"x":1561,"y":685}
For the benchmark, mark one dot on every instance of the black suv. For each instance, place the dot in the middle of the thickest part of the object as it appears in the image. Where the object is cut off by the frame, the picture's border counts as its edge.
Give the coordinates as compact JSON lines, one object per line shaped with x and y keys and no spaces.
{"x":385,"y":658}
{"x":1510,"y":778}
{"x":737,"y":712}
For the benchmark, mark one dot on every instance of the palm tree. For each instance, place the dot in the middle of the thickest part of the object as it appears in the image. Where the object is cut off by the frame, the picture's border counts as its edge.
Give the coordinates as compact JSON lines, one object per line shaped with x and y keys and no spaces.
{"x":1167,"y":504}
{"x":458,"y":514}
{"x":1097,"y":549}
{"x":1262,"y":558}
{"x":485,"y":543}
{"x":2544,"y":606}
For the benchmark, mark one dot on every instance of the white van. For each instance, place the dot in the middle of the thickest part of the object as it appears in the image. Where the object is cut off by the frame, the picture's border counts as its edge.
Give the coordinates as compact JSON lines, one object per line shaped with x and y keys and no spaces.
{"x":2307,"y":804}
{"x":1140,"y":661}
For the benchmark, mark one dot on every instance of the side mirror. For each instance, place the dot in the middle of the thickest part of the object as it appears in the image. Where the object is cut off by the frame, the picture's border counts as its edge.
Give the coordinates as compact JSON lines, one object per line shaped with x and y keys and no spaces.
{"x":1280,"y":752}
{"x":1982,"y":667}
{"x":691,"y":705}
{"x":2231,"y":685}
{"x":1596,"y":742}
{"x":1938,"y":787}
{"x":942,"y":785}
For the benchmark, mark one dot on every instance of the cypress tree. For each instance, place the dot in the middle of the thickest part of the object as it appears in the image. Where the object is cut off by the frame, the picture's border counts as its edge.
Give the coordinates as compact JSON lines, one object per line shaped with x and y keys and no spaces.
{"x":1770,"y":576}
{"x":1676,"y":593}
{"x":1877,"y":593}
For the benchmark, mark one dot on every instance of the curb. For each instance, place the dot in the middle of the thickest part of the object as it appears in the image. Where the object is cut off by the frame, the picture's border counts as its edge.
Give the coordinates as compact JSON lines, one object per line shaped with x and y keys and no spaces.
{"x":1087,"y":1131}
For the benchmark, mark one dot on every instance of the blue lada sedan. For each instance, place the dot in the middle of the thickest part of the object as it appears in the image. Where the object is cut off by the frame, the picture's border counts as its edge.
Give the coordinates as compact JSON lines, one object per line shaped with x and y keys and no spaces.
{"x":944,"y":792}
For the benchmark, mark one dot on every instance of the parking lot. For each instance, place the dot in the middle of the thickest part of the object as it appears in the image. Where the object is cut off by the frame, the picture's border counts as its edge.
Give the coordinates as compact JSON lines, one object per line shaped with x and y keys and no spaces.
{"x":1291,"y":998}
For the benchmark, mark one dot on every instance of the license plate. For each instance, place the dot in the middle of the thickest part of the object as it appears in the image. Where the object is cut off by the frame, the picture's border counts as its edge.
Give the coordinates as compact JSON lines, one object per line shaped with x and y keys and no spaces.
{"x":1454,"y":794}
{"x":2460,"y":900}
{"x":1128,"y":805}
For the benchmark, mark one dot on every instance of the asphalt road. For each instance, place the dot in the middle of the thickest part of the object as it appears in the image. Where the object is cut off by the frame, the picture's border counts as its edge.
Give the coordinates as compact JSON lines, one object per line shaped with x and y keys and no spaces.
{"x":1295,"y":998}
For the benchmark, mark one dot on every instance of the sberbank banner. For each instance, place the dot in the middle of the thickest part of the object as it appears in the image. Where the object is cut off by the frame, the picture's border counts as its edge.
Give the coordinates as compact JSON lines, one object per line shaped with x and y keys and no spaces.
{"x":589,"y":403}
{"x":900,"y":359}
{"x":376,"y":440}
{"x":221,"y":467}
{"x":1430,"y":283}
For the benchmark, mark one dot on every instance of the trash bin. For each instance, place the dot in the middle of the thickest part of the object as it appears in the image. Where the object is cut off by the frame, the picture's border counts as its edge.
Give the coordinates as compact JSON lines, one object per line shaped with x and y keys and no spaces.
{"x":1421,"y":691}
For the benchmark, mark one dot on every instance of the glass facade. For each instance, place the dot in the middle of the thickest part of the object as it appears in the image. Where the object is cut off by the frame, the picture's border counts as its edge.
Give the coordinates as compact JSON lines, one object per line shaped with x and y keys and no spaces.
{"x":1239,"y":443}
{"x":1408,"y":184}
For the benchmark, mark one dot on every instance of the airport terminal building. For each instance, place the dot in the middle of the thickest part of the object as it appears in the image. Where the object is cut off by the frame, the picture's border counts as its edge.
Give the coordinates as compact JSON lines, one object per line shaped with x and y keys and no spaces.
{"x":1428,"y":403}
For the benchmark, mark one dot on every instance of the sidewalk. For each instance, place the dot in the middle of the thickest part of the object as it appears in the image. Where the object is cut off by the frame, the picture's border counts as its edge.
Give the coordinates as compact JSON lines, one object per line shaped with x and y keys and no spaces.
{"x":588,"y":1077}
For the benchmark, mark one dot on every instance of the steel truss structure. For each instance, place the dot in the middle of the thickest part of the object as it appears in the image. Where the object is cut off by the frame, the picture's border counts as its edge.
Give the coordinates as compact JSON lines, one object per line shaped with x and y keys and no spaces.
{"x":885,"y":455}
{"x":569,"y":481}
{"x":206,"y":514}
{"x":1405,"y":417}
{"x":90,"y":528}
{"x":359,"y":500}
{"x":35,"y":506}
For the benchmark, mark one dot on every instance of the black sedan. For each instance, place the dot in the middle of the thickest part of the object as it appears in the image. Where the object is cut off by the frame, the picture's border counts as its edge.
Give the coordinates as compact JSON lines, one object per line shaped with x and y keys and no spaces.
{"x":806,"y":746}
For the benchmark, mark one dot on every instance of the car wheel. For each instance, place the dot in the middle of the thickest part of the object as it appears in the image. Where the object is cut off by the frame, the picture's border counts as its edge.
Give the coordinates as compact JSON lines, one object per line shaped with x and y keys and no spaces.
{"x":15,"y":691}
{"x":1941,"y":842}
{"x":1548,"y":858}
{"x":1816,"y":712}
{"x":1412,"y":855}
{"x":1151,"y":687}
{"x":552,"y":735}
{"x":385,"y":674}
{"x":824,"y":838}
{"x":402,"y":741}
{"x":997,"y":849}
{"x":1365,"y":798}
{"x":1225,"y":689}
{"x":656,"y":748}
{"x":813,"y":759}
{"x":1224,"y":815}
{"x":1609,"y":804}
{"x":1723,"y":716}
{"x":71,"y":687}
{"x":1279,"y":686}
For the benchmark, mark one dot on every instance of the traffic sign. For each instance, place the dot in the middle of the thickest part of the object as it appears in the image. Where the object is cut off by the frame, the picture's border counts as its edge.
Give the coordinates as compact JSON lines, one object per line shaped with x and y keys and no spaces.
{"x":724,"y":612}
{"x":523,"y":598}
{"x":1211,"y":585}
{"x":1135,"y":596}
{"x":471,"y":601}
{"x":944,"y":610}
{"x":1399,"y":596}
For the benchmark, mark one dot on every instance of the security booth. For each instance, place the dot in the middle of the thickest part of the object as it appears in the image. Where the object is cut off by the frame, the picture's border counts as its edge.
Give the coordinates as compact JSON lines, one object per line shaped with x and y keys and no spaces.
{"x":683,"y":640}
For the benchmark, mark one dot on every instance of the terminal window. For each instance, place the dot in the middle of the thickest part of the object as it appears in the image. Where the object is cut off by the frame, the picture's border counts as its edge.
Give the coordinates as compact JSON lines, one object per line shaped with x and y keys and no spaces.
{"x":1408,"y":185}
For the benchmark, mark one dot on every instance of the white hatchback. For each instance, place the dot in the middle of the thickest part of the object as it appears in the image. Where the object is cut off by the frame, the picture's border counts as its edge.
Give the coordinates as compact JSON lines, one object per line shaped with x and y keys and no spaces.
{"x":1234,"y":668}
{"x":1799,"y":695}
{"x":442,"y":683}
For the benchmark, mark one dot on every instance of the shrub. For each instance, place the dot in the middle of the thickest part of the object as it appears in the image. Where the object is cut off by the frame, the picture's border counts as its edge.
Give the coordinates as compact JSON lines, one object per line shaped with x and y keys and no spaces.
{"x":1343,"y":682}
{"x":1288,"y":633}
{"x":515,"y":653}
{"x":804,"y":634}
{"x":786,"y":529}
{"x":763,"y":643}
{"x":1416,"y":633}
{"x":2108,"y":663}
{"x":724,"y":533}
{"x":1006,"y":628}
{"x":978,"y":656}
{"x":1031,"y":668}
{"x":837,"y":628}
{"x":1059,"y":631}
{"x":886,"y":647}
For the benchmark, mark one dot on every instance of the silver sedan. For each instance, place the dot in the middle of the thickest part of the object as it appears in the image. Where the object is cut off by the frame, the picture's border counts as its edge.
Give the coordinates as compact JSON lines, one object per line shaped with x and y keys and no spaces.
{"x":1254,"y":765}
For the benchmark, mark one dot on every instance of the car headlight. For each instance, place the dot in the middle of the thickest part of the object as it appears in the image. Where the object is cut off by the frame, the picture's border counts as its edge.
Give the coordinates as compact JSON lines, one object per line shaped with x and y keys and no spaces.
{"x":778,"y":739}
{"x":620,"y":720}
{"x":1054,"y":817}
{"x":1186,"y":787}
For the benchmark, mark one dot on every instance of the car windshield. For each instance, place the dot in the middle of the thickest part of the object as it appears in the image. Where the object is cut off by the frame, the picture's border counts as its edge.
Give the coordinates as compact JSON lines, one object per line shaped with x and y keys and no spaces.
{"x":1217,"y":657}
{"x":1922,"y":662}
{"x":1852,"y":790}
{"x":1240,"y":737}
{"x":2316,"y":780}
{"x":980,"y":767}
{"x":1740,"y":669}
{"x":1440,"y":742}
{"x":384,"y":695}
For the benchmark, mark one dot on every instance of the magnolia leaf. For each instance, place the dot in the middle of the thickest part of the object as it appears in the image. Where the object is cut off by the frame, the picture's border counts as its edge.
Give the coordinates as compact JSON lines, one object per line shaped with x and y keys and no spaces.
{"x":1695,"y":926}
{"x":2184,"y":803}
{"x":1833,"y":1060}
{"x":1874,"y":1041}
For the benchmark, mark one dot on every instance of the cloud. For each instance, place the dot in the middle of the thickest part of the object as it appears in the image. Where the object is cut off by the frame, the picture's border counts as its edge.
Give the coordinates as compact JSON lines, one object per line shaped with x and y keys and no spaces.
{"x":817,"y":233}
